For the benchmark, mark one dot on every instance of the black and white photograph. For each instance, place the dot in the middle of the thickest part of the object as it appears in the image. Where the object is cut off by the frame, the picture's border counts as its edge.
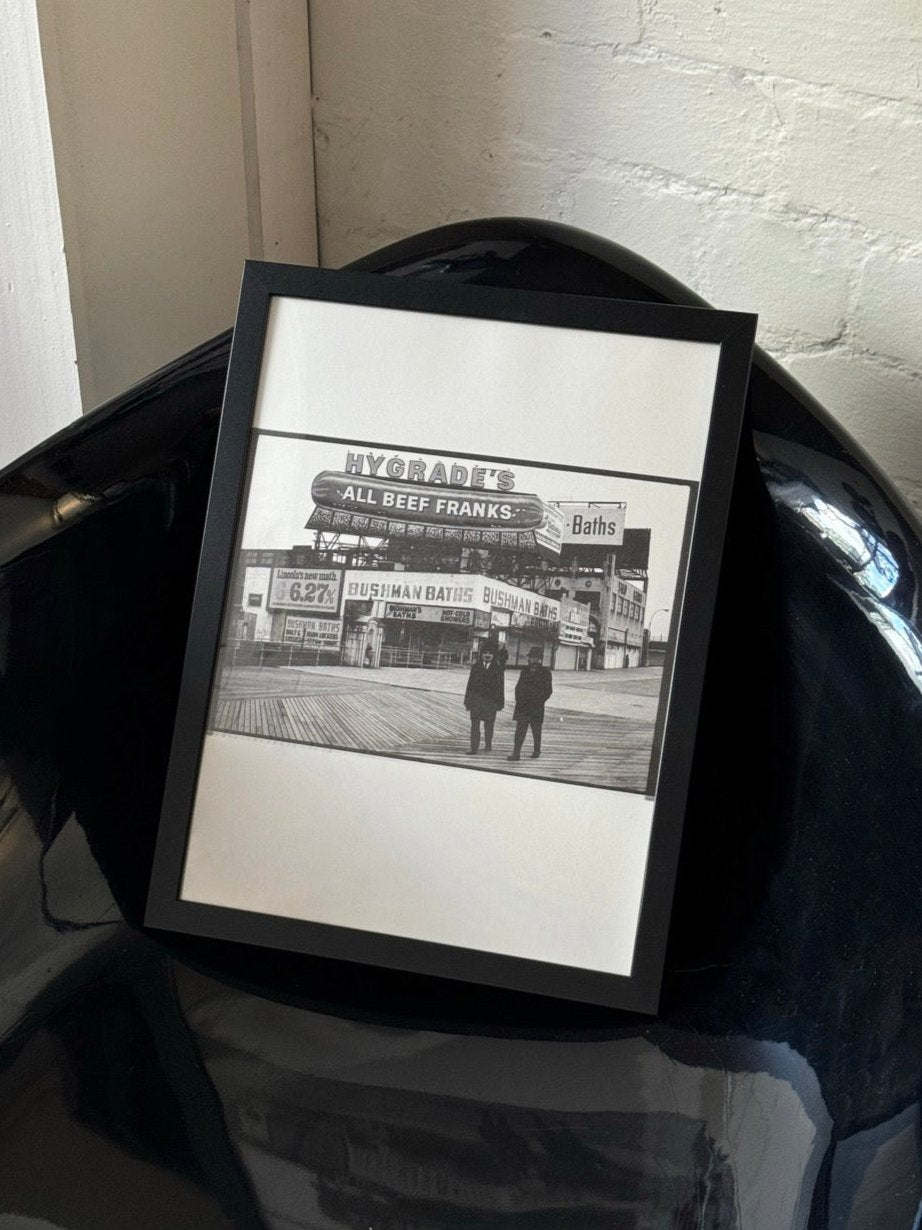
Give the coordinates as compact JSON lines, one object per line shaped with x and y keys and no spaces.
{"x":446,"y":648}
{"x":477,"y":612}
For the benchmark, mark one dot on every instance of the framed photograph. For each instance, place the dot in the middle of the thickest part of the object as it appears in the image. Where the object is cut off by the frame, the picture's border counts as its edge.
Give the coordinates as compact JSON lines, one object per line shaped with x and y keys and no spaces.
{"x":449,"y":633}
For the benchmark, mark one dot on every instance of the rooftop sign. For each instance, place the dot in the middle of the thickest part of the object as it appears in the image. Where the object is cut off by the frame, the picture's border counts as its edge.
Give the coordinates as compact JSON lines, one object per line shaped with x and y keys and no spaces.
{"x":359,"y":504}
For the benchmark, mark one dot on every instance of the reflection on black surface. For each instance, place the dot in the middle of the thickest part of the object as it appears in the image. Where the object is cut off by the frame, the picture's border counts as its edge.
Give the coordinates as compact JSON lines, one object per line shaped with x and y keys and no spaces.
{"x":395,"y":1162}
{"x":337,"y":1121}
{"x":393,"y":1165}
{"x":875,"y":557}
{"x":869,"y":561}
{"x":875,"y":565}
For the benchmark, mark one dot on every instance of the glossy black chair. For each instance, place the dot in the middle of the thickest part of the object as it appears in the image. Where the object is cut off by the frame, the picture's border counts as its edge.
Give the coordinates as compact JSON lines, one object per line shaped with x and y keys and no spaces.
{"x":152,"y":1080}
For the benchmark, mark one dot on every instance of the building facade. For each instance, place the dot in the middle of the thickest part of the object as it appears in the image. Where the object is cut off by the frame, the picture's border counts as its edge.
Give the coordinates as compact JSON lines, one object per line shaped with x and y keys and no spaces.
{"x":289,"y":607}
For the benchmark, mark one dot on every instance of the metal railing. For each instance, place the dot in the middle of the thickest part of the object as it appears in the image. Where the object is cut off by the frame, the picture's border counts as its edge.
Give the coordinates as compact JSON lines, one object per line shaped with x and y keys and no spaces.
{"x":279,"y":653}
{"x":440,"y":659}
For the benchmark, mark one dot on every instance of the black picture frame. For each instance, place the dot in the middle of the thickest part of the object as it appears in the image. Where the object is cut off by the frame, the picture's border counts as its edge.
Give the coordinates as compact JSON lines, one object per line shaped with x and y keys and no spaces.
{"x":329,"y":363}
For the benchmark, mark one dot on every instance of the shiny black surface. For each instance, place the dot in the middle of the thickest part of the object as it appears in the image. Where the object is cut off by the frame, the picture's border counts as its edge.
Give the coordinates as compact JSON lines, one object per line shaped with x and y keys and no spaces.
{"x":159,"y":1081}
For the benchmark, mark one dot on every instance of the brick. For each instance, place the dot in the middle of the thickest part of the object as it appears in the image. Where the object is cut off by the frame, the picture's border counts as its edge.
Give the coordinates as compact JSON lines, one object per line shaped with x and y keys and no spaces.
{"x":880,"y":406}
{"x":836,"y":157}
{"x":888,"y":315}
{"x":367,"y":196}
{"x":556,"y":96}
{"x":591,"y":22}
{"x":874,"y":48}
{"x":795,"y":275}
{"x":435,"y":51}
{"x":659,"y":224}
{"x":623,"y":110}
{"x":530,"y":102}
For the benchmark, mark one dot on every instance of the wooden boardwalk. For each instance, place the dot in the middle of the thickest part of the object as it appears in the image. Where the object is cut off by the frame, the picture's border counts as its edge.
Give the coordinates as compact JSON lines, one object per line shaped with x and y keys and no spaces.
{"x":426,"y":725}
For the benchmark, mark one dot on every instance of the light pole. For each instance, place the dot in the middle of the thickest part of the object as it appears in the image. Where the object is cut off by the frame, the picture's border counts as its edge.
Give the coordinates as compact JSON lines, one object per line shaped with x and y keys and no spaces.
{"x":663,"y":610}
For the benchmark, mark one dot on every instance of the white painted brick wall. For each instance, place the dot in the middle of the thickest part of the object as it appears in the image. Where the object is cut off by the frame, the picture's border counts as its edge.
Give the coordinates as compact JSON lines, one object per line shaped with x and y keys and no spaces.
{"x":888,"y":307}
{"x":874,"y":48}
{"x":766,"y":152}
{"x":853,"y":157}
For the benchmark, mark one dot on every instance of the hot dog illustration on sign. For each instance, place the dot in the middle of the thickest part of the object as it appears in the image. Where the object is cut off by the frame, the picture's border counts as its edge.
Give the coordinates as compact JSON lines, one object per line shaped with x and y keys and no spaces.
{"x":435,"y":505}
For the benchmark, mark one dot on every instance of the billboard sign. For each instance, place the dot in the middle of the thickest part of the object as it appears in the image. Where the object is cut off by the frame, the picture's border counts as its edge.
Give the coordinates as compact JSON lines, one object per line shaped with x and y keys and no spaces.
{"x":506,"y":604}
{"x":428,"y":614}
{"x":593,"y":524}
{"x":394,"y":508}
{"x":312,"y":633}
{"x":305,"y":589}
{"x":574,"y":622}
{"x":549,"y":536}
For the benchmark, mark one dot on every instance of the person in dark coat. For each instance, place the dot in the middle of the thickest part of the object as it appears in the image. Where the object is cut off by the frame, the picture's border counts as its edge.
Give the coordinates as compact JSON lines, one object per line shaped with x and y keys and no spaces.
{"x":532,"y":690}
{"x":485,"y":695}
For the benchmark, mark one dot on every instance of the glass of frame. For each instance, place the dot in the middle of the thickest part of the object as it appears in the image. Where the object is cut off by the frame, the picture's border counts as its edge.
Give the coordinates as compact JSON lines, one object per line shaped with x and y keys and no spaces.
{"x":449,"y":632}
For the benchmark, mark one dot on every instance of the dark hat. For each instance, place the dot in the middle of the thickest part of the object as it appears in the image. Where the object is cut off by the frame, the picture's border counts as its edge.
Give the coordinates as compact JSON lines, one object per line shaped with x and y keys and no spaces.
{"x":536,"y":652}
